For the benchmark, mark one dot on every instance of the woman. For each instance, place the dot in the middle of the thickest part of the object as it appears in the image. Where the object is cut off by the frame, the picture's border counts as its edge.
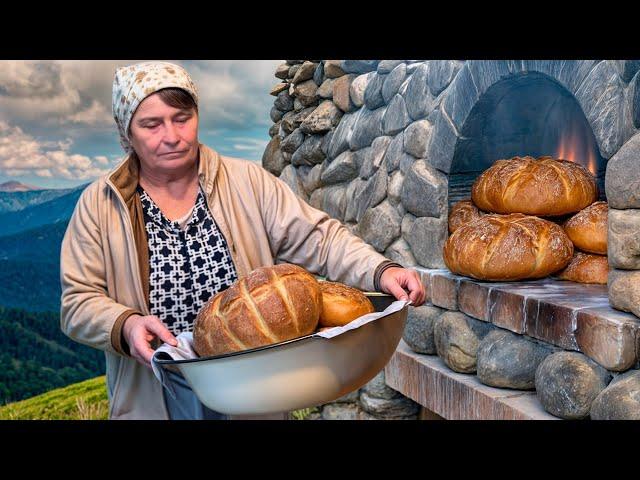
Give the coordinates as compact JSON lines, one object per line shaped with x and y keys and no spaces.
{"x":173,"y":224}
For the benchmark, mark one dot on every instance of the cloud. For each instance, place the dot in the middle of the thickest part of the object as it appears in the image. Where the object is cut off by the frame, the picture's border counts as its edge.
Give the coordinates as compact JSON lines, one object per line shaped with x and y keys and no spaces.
{"x":21,"y":154}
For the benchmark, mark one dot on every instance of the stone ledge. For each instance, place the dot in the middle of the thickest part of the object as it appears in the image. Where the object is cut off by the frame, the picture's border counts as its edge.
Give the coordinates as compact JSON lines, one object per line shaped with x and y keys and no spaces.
{"x":456,"y":396}
{"x":569,"y":315}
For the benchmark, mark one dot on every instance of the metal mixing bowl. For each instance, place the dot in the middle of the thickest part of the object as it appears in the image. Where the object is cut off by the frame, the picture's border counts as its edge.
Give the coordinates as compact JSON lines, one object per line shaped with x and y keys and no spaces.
{"x":299,"y":373}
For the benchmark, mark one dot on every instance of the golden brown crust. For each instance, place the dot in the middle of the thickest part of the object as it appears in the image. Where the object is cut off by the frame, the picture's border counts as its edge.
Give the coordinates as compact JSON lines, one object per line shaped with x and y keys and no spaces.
{"x":269,"y":305}
{"x":462,"y":212}
{"x":543,"y":186}
{"x":508,"y":247}
{"x":586,"y":268}
{"x":342,"y":304}
{"x":587,"y":229}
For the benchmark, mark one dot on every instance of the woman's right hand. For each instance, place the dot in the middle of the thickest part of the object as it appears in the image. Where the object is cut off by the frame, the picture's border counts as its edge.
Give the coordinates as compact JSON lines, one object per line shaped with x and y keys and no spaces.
{"x":139,"y":331}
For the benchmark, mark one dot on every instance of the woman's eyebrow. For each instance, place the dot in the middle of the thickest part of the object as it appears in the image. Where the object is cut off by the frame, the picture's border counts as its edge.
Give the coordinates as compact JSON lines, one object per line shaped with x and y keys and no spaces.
{"x":148,"y":119}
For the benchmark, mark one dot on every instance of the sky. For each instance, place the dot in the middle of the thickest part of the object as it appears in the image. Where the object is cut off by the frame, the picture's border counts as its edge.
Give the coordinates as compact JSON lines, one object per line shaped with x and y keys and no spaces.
{"x":57,"y":129}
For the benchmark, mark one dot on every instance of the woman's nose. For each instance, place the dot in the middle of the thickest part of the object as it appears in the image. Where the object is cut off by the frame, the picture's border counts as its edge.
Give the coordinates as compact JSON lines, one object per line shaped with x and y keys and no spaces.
{"x":171,"y":134}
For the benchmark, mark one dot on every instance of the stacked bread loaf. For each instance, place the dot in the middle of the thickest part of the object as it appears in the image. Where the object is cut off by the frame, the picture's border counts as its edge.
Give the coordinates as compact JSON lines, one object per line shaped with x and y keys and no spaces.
{"x":500,"y":234}
{"x":272,"y":305}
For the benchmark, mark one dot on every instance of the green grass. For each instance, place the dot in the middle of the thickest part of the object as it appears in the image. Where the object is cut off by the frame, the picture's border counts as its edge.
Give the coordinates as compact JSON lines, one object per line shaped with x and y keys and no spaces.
{"x":80,"y":401}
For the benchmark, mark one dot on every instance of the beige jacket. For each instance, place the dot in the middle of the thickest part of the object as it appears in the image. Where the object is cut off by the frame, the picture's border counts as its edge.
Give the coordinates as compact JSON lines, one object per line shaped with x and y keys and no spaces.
{"x":105,"y":265}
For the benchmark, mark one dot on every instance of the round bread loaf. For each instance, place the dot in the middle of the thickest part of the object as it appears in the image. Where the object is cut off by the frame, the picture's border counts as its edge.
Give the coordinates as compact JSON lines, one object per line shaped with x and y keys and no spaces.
{"x":269,"y":305}
{"x":586,"y":268}
{"x":508,"y":247}
{"x":342,"y":304}
{"x":587,"y":229}
{"x":462,"y":212}
{"x":545,"y":187}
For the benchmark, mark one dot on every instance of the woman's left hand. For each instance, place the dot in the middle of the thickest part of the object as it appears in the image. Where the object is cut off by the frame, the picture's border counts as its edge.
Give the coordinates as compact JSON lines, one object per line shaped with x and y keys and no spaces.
{"x":397,"y":281}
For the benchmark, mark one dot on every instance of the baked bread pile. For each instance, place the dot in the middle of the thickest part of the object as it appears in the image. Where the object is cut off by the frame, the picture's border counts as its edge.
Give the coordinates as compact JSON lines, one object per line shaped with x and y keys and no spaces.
{"x":272,"y":305}
{"x":499,"y":234}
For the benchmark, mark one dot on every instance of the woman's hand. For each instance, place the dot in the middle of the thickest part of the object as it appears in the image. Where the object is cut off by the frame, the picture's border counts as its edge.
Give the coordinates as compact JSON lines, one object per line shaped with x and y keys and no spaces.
{"x":397,"y":281}
{"x":139,"y":331}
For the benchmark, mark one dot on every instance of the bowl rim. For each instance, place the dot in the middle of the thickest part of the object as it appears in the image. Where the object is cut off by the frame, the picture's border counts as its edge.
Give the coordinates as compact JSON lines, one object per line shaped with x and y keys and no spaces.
{"x":171,"y":361}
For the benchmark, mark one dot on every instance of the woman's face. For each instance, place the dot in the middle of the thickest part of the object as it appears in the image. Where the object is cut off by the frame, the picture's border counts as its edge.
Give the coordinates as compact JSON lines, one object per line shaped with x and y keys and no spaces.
{"x":164,"y":138}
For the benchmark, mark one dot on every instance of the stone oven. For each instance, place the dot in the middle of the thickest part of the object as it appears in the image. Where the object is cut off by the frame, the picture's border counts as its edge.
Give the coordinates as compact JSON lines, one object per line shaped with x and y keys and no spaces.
{"x":388,"y":146}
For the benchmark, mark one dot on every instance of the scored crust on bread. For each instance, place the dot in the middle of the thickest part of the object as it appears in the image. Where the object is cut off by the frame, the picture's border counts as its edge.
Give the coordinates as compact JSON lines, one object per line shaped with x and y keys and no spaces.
{"x":543,"y":186}
{"x":462,"y":212}
{"x":508,"y":247}
{"x":587,"y":229}
{"x":586,"y":268}
{"x":342,"y":304}
{"x":269,"y":305}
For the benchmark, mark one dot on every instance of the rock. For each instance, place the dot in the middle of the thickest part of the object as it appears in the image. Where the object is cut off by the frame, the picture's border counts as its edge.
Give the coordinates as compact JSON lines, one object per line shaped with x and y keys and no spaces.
{"x":326,"y":88}
{"x":353,"y":193}
{"x":282,"y":71}
{"x":293,"y":70}
{"x":272,"y":159}
{"x":309,"y":153}
{"x":627,"y":69}
{"x":400,"y":251}
{"x":359,"y":66}
{"x":284,"y":102}
{"x":292,"y":141}
{"x":358,"y":87}
{"x":378,"y":388}
{"x":292,"y":120}
{"x":385,"y":66}
{"x":623,"y":239}
{"x":635,"y":101}
{"x":341,"y":169}
{"x":426,"y":239}
{"x":622,"y":178}
{"x":507,"y":360}
{"x":341,"y":97}
{"x":360,"y":156}
{"x":388,"y":409}
{"x":312,"y":180}
{"x":442,"y":144}
{"x":342,"y":135}
{"x":306,"y":92}
{"x":396,"y":118}
{"x":394,"y":152}
{"x":624,"y":290}
{"x":441,"y":73}
{"x":341,"y":411}
{"x":393,"y":81}
{"x":351,"y":397}
{"x":326,"y":140}
{"x":297,"y":105}
{"x":407,"y":224}
{"x":416,"y":138}
{"x":318,"y":74}
{"x":334,"y":201}
{"x":273,"y":130}
{"x":372,"y":193}
{"x":290,"y":177}
{"x":418,"y":332}
{"x":418,"y":98}
{"x":373,"y":94}
{"x":395,"y":187}
{"x":379,"y":226}
{"x":424,"y":191}
{"x":305,"y":72}
{"x":332,"y":68}
{"x":373,"y":159}
{"x":406,"y":162}
{"x":620,"y":400}
{"x":568,"y":382}
{"x":601,"y":97}
{"x":456,"y":337}
{"x":275,"y":114}
{"x":279,"y":87}
{"x":368,"y":126}
{"x":322,"y":119}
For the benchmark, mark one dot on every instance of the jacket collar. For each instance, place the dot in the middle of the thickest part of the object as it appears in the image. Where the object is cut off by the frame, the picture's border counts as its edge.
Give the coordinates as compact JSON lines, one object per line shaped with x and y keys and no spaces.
{"x":124,"y":177}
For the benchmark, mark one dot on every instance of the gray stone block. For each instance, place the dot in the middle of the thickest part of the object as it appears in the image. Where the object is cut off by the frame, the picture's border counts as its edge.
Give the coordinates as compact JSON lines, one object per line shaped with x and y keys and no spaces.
{"x":461,"y":96}
{"x":624,"y":290}
{"x":275,"y":114}
{"x":394,"y":153}
{"x":374,"y":156}
{"x":620,"y":400}
{"x":635,"y":101}
{"x":341,"y":411}
{"x":385,"y":66}
{"x":388,"y":409}
{"x":406,"y":162}
{"x":322,"y":119}
{"x":358,"y":87}
{"x":400,"y":252}
{"x":507,"y":360}
{"x":426,"y":239}
{"x":622,"y":179}
{"x":418,"y":332}
{"x":325,"y":90}
{"x":627,"y":69}
{"x":416,"y":138}
{"x":284,"y":102}
{"x":442,"y":142}
{"x":290,"y":177}
{"x":359,"y":66}
{"x":417,"y":97}
{"x":623,"y":239}
{"x":354,"y":191}
{"x":456,"y":337}
{"x":424,"y":191}
{"x":568,"y":382}
{"x":393,"y":82}
{"x":396,"y":117}
{"x":273,"y":130}
{"x":272,"y":159}
{"x":379,"y":226}
{"x":394,"y":191}
{"x":292,"y":120}
{"x":373,"y":94}
{"x":334,"y":201}
{"x":407,"y":224}
{"x":342,"y":135}
{"x":292,"y":141}
{"x":373,"y":192}
{"x":368,"y":126}
{"x":310,"y":152}
{"x":341,"y":169}
{"x":318,"y":74}
{"x":378,"y":388}
{"x":311,"y":180}
{"x":441,"y":73}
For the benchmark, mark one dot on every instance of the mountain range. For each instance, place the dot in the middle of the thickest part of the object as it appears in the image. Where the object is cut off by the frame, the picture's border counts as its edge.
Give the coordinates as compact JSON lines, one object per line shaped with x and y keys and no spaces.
{"x":13,"y":186}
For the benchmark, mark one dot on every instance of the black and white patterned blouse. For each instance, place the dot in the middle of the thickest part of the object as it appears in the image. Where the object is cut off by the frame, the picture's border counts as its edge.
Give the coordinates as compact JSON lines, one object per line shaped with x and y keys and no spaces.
{"x":187,"y":265}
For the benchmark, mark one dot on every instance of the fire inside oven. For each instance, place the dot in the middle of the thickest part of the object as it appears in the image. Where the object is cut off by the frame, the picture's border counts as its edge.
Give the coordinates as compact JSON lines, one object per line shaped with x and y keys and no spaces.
{"x":525,"y":115}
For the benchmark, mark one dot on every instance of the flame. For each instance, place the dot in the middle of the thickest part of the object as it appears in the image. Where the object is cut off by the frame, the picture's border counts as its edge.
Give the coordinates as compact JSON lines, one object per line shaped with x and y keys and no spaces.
{"x":572,"y":147}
